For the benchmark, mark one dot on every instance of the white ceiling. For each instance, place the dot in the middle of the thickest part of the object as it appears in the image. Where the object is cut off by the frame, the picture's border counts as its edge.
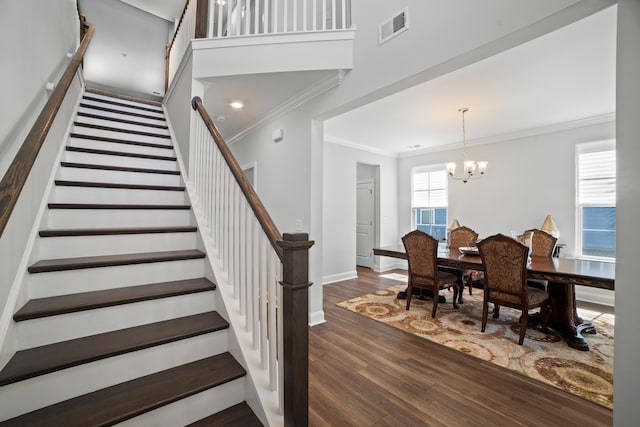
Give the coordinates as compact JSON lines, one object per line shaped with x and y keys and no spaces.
{"x":562,"y":77}
{"x":555,"y":80}
{"x":260,"y":94}
{"x":128,"y":48}
{"x":165,"y":9}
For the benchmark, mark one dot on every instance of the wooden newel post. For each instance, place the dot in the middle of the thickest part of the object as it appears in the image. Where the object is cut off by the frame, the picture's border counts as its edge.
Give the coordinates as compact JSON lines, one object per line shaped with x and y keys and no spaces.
{"x":295,"y":327}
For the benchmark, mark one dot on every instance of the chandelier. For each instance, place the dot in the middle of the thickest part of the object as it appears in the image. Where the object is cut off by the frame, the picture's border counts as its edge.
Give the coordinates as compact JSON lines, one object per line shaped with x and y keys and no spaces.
{"x":470,"y":166}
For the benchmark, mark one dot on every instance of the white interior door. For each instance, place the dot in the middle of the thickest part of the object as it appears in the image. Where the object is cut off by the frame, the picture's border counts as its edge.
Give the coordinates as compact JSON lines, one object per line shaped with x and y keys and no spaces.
{"x":364,"y":224}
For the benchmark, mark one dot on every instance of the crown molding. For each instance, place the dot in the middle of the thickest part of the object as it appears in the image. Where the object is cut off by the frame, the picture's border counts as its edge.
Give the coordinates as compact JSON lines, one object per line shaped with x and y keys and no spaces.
{"x":331,"y":81}
{"x":351,"y":144}
{"x":524,"y":133}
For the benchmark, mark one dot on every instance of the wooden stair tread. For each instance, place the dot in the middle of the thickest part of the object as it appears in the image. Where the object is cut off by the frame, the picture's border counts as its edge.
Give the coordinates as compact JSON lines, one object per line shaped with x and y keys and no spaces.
{"x":129,"y":399}
{"x":54,"y":357}
{"x":118,"y":153}
{"x":65,"y":183}
{"x":120,"y":141}
{"x":52,"y":306}
{"x":116,"y":111}
{"x":117,"y":129}
{"x":117,"y":95}
{"x":125,"y":121}
{"x":78,"y":263}
{"x":116,"y":206}
{"x":236,"y":415}
{"x":122,"y":104}
{"x":118,"y":168}
{"x":67,"y":232}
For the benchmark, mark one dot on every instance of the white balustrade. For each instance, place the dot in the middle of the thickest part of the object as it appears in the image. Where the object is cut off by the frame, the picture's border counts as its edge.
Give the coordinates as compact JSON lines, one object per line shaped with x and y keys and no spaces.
{"x":240,"y":246}
{"x":255,"y":17}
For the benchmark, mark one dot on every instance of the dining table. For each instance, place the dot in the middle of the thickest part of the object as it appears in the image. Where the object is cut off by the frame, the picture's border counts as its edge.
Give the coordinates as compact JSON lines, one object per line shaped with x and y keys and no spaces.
{"x":561,"y":274}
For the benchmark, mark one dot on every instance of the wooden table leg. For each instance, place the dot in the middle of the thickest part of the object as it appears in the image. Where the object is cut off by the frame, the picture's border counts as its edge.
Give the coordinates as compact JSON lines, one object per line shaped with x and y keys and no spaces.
{"x":564,"y":316}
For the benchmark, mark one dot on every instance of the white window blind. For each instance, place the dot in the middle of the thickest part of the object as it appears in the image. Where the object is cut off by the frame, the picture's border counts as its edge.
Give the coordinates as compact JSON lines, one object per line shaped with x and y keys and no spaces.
{"x":429,"y":188}
{"x":597,"y":178}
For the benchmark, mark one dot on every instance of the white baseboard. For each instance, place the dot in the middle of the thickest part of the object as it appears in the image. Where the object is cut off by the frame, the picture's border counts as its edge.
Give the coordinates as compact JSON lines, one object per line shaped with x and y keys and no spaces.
{"x":332,"y":278}
{"x":383,"y":266}
{"x":316,"y":318}
{"x":595,"y":295}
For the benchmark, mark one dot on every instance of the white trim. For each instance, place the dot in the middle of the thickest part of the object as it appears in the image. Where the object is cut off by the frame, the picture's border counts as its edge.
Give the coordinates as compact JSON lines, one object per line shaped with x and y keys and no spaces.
{"x":524,"y":133}
{"x":339,"y":277}
{"x":316,"y":318}
{"x":279,"y":38}
{"x":333,"y":80}
{"x":357,"y":146}
{"x":19,"y":287}
{"x":381,"y":267}
{"x":178,"y":74}
{"x":595,"y":295}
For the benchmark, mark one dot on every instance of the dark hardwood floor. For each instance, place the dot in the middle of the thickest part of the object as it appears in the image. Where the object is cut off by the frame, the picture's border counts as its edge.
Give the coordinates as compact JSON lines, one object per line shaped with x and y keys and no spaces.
{"x":365,"y":373}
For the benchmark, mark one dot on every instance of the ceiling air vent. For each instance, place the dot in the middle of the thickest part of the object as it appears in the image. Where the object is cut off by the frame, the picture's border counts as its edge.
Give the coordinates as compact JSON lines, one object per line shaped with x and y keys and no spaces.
{"x":394,"y":26}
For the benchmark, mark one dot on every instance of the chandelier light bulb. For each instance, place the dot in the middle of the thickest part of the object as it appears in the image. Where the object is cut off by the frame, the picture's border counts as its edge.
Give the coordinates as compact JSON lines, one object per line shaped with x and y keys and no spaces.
{"x":469,"y":166}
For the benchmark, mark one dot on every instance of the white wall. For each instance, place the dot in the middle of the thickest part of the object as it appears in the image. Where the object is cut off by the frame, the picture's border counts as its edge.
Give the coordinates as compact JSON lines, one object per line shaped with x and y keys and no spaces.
{"x":627,"y":333}
{"x":35,"y":37}
{"x":527,"y":179}
{"x":339,"y":207}
{"x":178,"y":105}
{"x":481,"y":29}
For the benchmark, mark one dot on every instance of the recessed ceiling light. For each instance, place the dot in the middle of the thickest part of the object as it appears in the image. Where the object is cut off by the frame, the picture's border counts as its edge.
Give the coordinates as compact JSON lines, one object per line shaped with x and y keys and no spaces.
{"x":237,"y":105}
{"x":124,"y":54}
{"x":413,"y":147}
{"x":221,"y":118}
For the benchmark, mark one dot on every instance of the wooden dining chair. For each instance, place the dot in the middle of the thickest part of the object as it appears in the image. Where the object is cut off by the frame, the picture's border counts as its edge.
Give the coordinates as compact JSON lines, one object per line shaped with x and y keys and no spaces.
{"x":542,"y":244}
{"x":422,"y":255}
{"x":458,"y":238}
{"x":505,"y":280}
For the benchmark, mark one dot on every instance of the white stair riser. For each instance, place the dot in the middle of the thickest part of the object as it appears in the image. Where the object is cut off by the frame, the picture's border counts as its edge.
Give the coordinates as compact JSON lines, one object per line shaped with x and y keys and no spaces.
{"x":193,"y":408}
{"x":120,"y":135}
{"x":48,"y":330}
{"x":123,"y":109}
{"x":122,"y":101}
{"x":117,"y":177}
{"x":123,"y":161}
{"x":124,"y":148}
{"x":67,"y":194}
{"x":116,"y":218}
{"x":120,"y":125}
{"x":42,"y":285}
{"x":124,"y":116}
{"x":34,"y":393}
{"x":79,"y":246}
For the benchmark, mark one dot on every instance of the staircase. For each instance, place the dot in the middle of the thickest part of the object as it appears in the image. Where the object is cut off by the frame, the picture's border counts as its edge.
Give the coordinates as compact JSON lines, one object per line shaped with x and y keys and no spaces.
{"x":121,"y":323}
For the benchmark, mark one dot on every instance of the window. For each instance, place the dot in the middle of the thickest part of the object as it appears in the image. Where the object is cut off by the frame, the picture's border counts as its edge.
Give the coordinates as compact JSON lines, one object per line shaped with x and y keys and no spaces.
{"x":430,"y":200}
{"x":596,"y":200}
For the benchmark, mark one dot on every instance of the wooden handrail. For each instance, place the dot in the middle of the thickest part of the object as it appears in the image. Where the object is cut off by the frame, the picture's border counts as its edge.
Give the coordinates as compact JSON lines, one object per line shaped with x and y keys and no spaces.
{"x":18,"y":172}
{"x":175,"y":33}
{"x":258,"y":208}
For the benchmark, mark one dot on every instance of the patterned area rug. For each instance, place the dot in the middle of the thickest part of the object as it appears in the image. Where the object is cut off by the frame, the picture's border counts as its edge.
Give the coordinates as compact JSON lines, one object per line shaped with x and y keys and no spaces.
{"x":545,"y":357}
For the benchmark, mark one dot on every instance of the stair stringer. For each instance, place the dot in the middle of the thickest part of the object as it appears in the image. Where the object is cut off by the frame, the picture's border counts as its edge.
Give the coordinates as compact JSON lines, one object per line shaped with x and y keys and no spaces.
{"x":18,"y":293}
{"x":263,"y":401}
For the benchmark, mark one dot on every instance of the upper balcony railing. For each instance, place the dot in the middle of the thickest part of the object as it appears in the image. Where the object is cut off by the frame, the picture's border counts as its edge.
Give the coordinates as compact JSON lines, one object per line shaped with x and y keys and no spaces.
{"x":233,"y":18}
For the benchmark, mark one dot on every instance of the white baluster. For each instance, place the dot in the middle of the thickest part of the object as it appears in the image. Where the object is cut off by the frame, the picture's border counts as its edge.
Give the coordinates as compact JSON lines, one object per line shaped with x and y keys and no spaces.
{"x":315,"y":17}
{"x":324,"y":14}
{"x":264,"y":280}
{"x":333,"y":14}
{"x":273,"y":323}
